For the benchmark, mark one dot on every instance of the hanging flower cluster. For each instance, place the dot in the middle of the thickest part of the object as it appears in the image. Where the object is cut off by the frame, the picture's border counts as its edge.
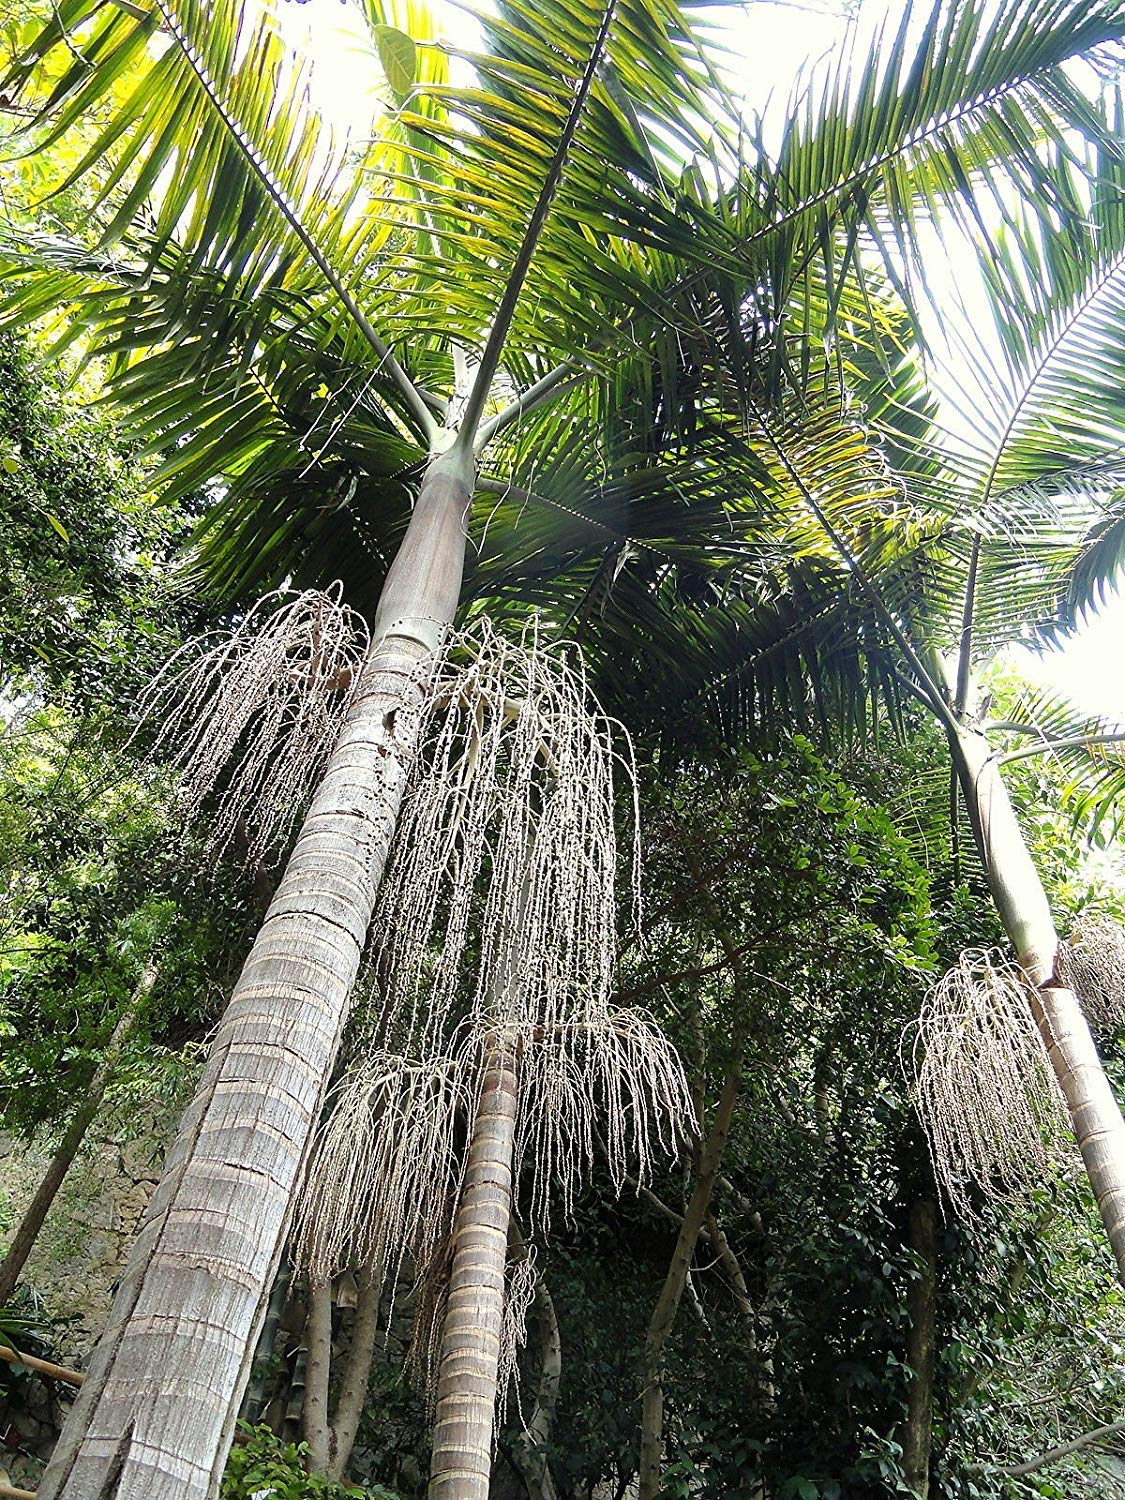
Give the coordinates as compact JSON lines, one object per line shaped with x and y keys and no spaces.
{"x":495,"y":929}
{"x":986,"y":1092}
{"x":249,"y":721}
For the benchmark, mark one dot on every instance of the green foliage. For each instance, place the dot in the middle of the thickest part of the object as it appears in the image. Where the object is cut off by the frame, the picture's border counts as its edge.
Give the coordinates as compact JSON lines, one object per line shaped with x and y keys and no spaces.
{"x":25,"y":1327}
{"x":706,"y":503}
{"x":94,"y":882}
{"x":96,"y":885}
{"x":601,"y":1277}
{"x":84,"y":607}
{"x":779,"y":859}
{"x":394,"y":1431}
{"x":1032,"y":1345}
{"x":264,"y":1467}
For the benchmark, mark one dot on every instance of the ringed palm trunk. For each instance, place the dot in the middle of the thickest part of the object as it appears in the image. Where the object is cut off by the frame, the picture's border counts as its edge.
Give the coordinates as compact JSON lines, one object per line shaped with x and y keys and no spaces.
{"x":470,"y":1343}
{"x":67,"y":1149}
{"x":1022,"y":903}
{"x":156,"y":1414}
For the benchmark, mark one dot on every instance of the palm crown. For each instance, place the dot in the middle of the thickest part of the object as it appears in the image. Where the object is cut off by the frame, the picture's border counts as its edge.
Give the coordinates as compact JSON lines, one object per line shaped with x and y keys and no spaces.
{"x":288,"y":318}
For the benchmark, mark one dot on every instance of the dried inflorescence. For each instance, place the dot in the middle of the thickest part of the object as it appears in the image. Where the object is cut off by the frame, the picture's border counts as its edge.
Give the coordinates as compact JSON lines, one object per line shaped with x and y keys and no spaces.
{"x":611,"y":1071}
{"x":1092,"y":963}
{"x":495,"y":927}
{"x":520,"y":1281}
{"x":513,"y":791}
{"x":254,"y":716}
{"x":385,"y":1171}
{"x":986,"y":1093}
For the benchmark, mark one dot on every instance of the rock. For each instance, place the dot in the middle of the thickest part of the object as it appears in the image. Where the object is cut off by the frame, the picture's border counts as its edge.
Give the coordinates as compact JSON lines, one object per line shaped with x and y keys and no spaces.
{"x":140,"y":1158}
{"x":81,"y":1252}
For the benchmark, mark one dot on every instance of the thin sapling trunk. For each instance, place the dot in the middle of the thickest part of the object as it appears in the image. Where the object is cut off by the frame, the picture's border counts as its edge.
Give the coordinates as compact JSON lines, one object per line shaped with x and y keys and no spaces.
{"x":664,"y":1314}
{"x":921,"y":1347}
{"x":35,"y":1213}
{"x":529,"y":1448}
{"x":331,"y":1434}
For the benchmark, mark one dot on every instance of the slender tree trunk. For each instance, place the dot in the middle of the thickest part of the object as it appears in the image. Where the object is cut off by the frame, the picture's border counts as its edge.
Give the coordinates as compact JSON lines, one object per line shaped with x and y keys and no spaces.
{"x":331,"y":1438}
{"x":155,"y":1417}
{"x":470,"y":1344}
{"x":664,"y":1315}
{"x":921,"y":1343}
{"x":35,"y":1213}
{"x":1022,"y":903}
{"x":353,"y":1381}
{"x":318,"y":1339}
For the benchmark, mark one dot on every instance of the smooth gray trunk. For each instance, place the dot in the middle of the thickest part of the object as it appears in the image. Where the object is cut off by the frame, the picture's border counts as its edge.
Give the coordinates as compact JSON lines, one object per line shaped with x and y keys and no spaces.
{"x":331,"y":1438}
{"x":155,"y":1417}
{"x":27,"y":1231}
{"x":318,"y":1339}
{"x":353,"y":1382}
{"x":1022,"y":904}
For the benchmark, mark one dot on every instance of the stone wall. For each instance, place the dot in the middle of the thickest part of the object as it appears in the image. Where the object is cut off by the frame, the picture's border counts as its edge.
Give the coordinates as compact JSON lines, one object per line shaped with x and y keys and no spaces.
{"x":79,"y":1255}
{"x":78,"y":1258}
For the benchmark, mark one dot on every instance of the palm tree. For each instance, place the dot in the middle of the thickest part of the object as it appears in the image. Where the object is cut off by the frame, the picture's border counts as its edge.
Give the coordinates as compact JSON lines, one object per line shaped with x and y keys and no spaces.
{"x":905,"y":556}
{"x":344,"y":349}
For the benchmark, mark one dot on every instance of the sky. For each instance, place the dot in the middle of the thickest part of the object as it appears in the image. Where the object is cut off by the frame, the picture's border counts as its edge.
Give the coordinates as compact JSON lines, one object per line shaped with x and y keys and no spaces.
{"x":769,"y":45}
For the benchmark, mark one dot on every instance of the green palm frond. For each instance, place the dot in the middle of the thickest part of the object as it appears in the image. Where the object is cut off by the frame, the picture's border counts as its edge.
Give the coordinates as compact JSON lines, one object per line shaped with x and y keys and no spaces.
{"x":942,"y":118}
{"x":725,"y":569}
{"x":285,"y":321}
{"x":1042,"y":442}
{"x":1088,"y":750}
{"x":1099,"y":565}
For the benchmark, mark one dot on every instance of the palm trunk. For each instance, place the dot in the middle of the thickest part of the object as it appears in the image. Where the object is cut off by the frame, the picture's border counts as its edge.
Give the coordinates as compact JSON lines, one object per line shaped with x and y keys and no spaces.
{"x":470,"y":1343}
{"x":920,"y":1349}
{"x":664,"y":1314}
{"x":1022,"y":903}
{"x":155,"y":1417}
{"x":35,"y":1213}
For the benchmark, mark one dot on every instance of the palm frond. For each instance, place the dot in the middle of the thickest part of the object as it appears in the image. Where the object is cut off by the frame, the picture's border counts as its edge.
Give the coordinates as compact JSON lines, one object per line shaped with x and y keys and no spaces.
{"x":1087,"y":751}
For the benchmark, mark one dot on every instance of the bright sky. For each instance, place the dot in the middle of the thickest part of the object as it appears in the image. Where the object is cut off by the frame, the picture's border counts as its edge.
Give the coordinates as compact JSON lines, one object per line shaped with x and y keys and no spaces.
{"x":769,"y":43}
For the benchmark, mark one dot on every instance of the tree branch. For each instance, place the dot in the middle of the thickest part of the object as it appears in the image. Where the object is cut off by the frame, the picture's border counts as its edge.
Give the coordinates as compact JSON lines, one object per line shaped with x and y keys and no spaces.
{"x":1053,"y":1455}
{"x":554,"y":383}
{"x":502,"y":322}
{"x":280,"y":200}
{"x":728,"y":960}
{"x":357,"y":1368}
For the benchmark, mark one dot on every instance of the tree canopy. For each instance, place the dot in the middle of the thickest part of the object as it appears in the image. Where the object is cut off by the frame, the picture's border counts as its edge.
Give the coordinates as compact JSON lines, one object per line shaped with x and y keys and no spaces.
{"x":399,"y":526}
